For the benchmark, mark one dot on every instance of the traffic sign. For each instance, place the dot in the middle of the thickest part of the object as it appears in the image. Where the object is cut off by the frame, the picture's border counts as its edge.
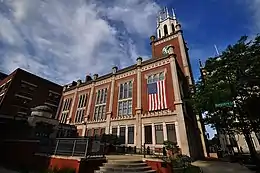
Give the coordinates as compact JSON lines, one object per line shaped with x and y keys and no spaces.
{"x":224,"y":104}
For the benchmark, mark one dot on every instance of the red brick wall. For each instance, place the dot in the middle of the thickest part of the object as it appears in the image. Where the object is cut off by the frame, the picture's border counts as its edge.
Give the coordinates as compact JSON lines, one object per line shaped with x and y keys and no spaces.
{"x":174,"y":42}
{"x":169,"y":88}
{"x":158,"y":166}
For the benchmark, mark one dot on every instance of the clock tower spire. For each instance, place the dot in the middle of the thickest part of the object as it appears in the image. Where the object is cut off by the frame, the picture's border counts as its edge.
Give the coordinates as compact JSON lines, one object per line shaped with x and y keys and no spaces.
{"x":169,"y":33}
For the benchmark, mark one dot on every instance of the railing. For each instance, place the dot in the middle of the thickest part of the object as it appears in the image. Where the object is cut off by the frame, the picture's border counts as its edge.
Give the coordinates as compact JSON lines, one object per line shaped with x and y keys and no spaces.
{"x":78,"y":147}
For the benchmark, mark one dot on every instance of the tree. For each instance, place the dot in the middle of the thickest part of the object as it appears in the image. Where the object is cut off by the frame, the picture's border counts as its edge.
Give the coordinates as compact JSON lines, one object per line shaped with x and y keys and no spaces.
{"x":233,"y":77}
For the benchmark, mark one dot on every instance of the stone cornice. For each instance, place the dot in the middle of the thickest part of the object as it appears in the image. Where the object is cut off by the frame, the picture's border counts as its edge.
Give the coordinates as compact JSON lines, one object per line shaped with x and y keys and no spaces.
{"x":158,"y":114}
{"x":119,"y":118}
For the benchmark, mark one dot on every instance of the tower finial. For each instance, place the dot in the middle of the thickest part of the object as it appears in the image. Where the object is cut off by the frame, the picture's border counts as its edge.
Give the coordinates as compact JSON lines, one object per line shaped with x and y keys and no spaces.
{"x":167,"y":12}
{"x":173,"y":14}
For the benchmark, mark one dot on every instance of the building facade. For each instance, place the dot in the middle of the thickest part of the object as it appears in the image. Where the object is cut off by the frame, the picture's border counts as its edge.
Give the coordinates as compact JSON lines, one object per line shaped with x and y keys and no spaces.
{"x":20,"y":91}
{"x":143,"y":103}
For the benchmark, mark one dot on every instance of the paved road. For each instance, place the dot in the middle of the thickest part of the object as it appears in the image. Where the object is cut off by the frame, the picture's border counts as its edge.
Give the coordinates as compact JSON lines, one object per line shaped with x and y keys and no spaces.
{"x":221,"y":167}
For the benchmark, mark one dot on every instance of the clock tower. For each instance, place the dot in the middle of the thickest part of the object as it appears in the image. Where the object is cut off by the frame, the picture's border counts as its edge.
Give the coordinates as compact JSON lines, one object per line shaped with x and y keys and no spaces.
{"x":169,"y":33}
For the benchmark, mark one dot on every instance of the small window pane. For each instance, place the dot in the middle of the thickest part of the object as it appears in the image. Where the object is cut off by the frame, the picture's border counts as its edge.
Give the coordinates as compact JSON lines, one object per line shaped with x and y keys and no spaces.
{"x":130,"y":135}
{"x":125,"y":90}
{"x":150,"y":79}
{"x":125,"y":108}
{"x":101,"y":97}
{"x":129,"y":107}
{"x":130,"y":89}
{"x":161,"y":76}
{"x":105,"y":97}
{"x":98,"y":96}
{"x":155,"y":78}
{"x":120,"y":108}
{"x":121,"y":91}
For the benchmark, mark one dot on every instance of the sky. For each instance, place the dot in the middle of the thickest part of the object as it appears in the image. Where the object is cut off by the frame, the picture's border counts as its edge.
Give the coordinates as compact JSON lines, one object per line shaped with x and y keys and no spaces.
{"x":64,"y":40}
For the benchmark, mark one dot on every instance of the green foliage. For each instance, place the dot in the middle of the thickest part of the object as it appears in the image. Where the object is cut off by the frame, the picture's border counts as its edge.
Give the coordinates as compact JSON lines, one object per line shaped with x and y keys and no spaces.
{"x":233,"y":76}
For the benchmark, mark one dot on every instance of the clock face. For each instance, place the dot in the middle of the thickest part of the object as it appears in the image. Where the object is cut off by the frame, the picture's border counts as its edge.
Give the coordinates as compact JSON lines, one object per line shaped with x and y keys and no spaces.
{"x":165,"y":50}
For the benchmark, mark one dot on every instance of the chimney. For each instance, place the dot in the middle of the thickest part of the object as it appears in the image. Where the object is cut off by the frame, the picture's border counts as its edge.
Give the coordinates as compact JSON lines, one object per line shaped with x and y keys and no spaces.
{"x":95,"y":76}
{"x":73,"y":83}
{"x":114,"y":69}
{"x":88,"y":78}
{"x":79,"y":82}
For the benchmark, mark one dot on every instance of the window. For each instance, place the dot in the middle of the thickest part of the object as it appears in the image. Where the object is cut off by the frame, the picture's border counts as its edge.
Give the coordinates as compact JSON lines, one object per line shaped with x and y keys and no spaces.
{"x":102,"y":131}
{"x":173,"y":29}
{"x":114,"y":131}
{"x":159,"y":33}
{"x":148,"y":134}
{"x":64,"y":117}
{"x":122,"y":135}
{"x":100,"y":108}
{"x":65,"y":110}
{"x":89,"y":132}
{"x":130,"y":135}
{"x":96,"y":132}
{"x":125,"y":98}
{"x":155,"y":77}
{"x":81,"y":108}
{"x":159,"y":134}
{"x":171,"y":133}
{"x":165,"y":30}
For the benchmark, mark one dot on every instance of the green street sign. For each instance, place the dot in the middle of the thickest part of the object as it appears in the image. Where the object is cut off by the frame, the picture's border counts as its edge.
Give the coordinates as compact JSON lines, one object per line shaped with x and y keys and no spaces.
{"x":224,"y":104}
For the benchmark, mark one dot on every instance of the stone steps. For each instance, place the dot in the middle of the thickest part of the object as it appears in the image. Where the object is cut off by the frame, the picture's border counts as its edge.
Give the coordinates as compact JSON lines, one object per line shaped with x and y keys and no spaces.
{"x":126,"y":164}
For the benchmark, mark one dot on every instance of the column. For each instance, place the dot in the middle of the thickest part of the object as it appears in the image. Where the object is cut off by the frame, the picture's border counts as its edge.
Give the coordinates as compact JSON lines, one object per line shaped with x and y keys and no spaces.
{"x":184,"y":58}
{"x":138,"y":132}
{"x":153,"y":134}
{"x":118,"y":130}
{"x":126,"y":134}
{"x":143,"y":136}
{"x":88,"y":108}
{"x":109,"y":113}
{"x":165,"y":137}
{"x":178,"y":104}
{"x":177,"y":134}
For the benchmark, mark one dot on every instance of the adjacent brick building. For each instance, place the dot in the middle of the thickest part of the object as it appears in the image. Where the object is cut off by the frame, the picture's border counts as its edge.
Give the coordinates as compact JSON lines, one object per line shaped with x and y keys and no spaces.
{"x":122,"y":102}
{"x":20,"y":91}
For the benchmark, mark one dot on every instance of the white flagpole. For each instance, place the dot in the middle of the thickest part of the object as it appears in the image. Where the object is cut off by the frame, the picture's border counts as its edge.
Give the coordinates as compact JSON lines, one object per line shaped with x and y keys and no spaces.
{"x":216,"y":49}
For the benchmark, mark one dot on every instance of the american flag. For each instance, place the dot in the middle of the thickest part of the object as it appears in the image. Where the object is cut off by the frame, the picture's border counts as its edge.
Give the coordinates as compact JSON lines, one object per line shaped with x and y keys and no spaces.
{"x":157,"y":96}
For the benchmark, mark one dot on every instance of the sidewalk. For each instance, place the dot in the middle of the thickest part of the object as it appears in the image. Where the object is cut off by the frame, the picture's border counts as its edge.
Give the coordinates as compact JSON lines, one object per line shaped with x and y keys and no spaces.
{"x":221,"y":167}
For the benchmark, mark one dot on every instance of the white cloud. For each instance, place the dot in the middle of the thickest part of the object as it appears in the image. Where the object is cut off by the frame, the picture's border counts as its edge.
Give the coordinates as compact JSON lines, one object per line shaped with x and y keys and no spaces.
{"x":63,"y":40}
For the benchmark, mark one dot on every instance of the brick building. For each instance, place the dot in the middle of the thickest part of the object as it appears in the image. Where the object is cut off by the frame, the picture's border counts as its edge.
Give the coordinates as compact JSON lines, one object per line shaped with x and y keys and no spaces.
{"x":2,"y":76}
{"x":20,"y":91}
{"x":143,"y":103}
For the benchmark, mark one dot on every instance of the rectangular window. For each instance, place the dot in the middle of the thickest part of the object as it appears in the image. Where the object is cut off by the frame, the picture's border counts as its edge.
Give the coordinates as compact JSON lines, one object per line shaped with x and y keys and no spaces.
{"x":125,"y":99}
{"x":130,"y":135}
{"x":64,"y":117}
{"x":96,"y":132}
{"x":159,"y":134}
{"x":80,"y":113}
{"x":122,"y":135}
{"x":89,"y":132}
{"x":102,"y":131}
{"x":100,"y":107}
{"x":171,"y":133}
{"x":114,"y":131}
{"x":148,"y":134}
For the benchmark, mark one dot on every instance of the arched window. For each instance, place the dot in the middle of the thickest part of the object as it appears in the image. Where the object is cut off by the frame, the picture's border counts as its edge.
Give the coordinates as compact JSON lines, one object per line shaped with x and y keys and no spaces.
{"x":173,"y":29}
{"x":165,"y":30}
{"x":159,"y":33}
{"x":161,"y":76}
{"x":155,"y":78}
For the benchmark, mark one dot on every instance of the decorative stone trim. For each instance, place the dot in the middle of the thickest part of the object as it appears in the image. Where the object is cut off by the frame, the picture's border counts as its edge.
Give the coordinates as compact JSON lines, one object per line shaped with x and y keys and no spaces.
{"x":69,"y":92}
{"x":85,"y":87}
{"x":123,"y":118}
{"x":157,"y":114}
{"x":103,"y":81}
{"x":155,"y":72}
{"x":166,"y":39}
{"x":125,"y":80}
{"x":102,"y":87}
{"x":156,"y":64}
{"x":129,"y":73}
{"x":96,"y":121}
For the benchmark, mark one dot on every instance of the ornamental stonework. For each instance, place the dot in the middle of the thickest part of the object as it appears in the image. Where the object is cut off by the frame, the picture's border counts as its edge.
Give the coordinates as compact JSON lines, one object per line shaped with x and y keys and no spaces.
{"x":156,"y":64}
{"x":129,"y":73}
{"x":166,"y":39}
